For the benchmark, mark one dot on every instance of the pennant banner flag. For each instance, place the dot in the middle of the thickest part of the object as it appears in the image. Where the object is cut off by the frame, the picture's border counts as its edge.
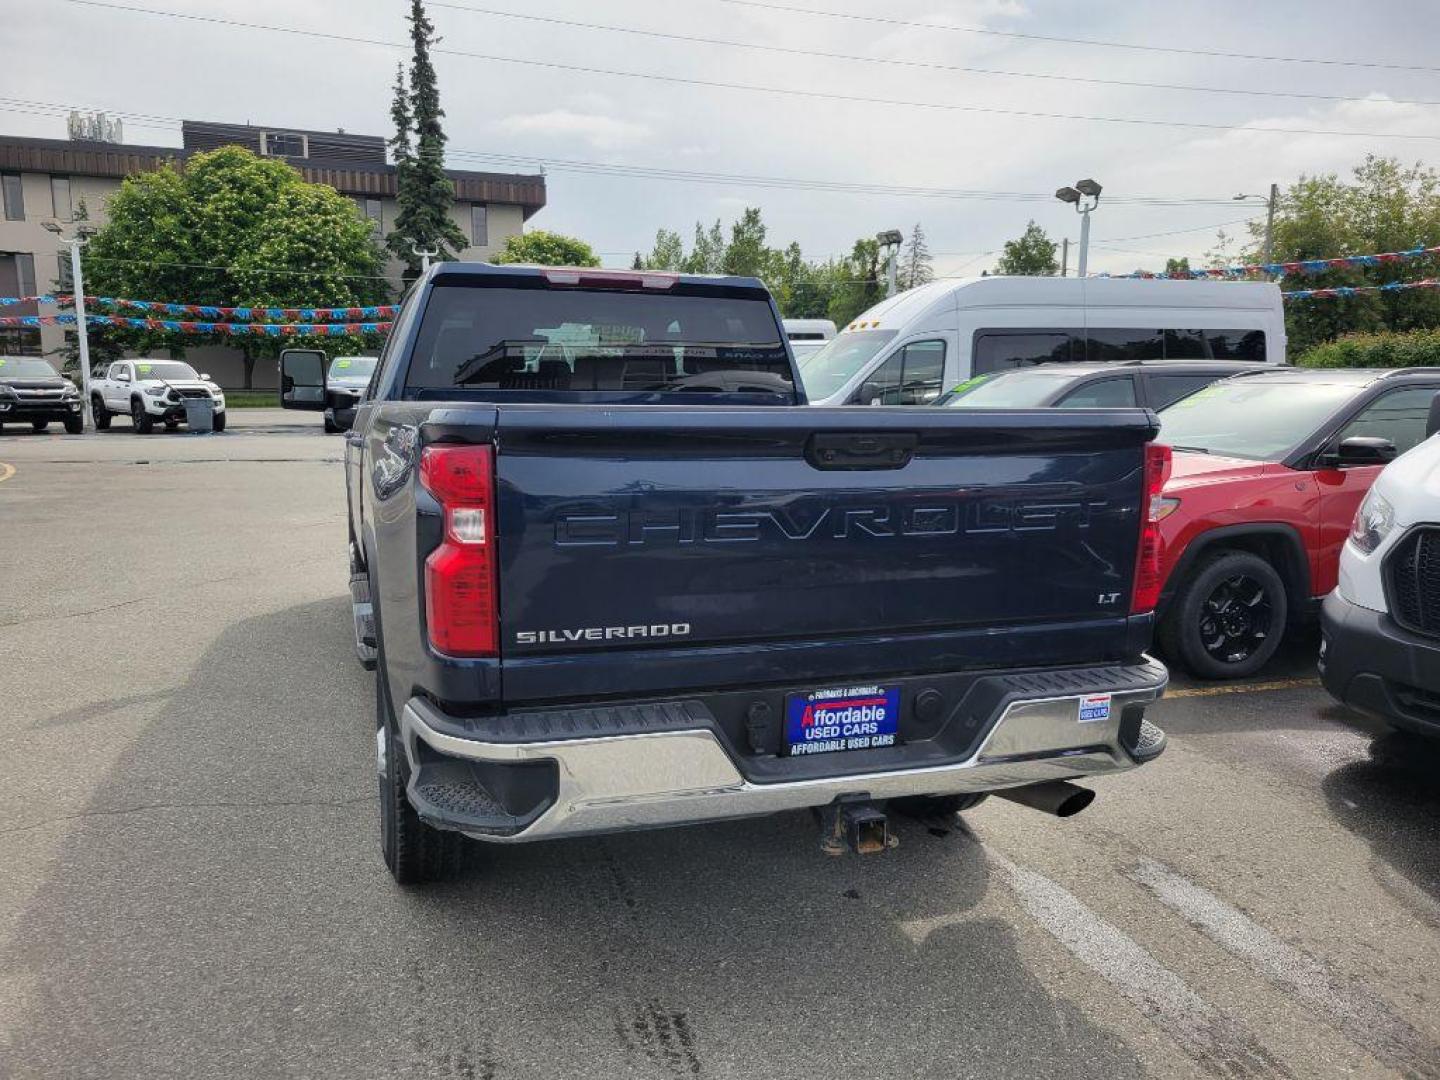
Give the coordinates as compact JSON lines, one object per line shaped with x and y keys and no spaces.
{"x":206,"y":311}
{"x":63,"y":301}
{"x":185,"y":327}
{"x":1304,"y":266}
{"x":249,"y":314}
{"x":1353,"y":290}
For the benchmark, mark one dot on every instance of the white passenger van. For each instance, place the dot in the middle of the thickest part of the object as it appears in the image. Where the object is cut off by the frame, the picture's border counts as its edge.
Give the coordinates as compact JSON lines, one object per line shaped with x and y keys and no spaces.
{"x":808,"y":336}
{"x":909,"y":349}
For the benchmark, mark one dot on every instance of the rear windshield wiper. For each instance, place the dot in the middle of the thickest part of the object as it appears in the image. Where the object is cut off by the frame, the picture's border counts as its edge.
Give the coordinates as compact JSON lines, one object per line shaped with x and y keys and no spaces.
{"x":1190,"y":449}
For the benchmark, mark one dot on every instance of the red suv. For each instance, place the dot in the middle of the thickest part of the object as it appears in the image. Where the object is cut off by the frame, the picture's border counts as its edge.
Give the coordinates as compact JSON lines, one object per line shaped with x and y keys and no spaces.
{"x":1269,"y":470}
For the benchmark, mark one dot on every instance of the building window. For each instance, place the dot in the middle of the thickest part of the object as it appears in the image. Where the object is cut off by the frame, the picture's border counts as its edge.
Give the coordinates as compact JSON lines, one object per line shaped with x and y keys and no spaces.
{"x":64,"y":274}
{"x":60,"y":196}
{"x":19,"y":342}
{"x":14,"y":196}
{"x":25,"y":272}
{"x":371,"y":208}
{"x":283,"y":144}
{"x":479,"y":225}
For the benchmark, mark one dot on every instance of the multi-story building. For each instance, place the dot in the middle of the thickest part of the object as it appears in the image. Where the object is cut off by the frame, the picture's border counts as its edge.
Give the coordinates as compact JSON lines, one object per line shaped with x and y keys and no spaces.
{"x":46,"y":179}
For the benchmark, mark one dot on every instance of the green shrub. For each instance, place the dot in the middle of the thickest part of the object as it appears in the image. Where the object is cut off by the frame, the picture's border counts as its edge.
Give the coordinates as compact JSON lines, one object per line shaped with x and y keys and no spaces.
{"x":1418,"y":348}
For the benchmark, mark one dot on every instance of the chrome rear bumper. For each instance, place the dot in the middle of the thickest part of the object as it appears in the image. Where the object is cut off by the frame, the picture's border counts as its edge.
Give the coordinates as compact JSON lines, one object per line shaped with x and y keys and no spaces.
{"x":640,"y":781}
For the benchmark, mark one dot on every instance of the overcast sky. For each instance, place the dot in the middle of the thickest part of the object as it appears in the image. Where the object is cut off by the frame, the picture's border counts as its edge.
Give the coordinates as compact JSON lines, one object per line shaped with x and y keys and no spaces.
{"x":158,"y":67}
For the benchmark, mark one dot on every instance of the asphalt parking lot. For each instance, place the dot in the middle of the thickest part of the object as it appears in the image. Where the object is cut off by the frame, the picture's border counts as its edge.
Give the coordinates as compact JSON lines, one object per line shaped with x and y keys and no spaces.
{"x":192,"y":882}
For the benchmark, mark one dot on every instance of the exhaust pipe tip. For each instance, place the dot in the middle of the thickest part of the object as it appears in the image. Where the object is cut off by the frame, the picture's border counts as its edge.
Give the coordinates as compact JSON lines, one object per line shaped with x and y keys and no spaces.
{"x":1074,"y":802}
{"x":1058,"y":797}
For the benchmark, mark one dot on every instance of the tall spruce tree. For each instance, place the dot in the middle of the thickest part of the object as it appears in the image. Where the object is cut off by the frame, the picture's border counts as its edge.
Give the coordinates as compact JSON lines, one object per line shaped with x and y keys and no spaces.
{"x":424,"y":194}
{"x":915,"y":265}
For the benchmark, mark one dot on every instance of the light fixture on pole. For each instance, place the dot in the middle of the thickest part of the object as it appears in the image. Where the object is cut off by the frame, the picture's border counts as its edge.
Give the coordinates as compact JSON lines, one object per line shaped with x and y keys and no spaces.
{"x":1268,"y":254}
{"x":890,"y":241}
{"x":426,"y":254}
{"x":1084,"y":196}
{"x":82,"y":236}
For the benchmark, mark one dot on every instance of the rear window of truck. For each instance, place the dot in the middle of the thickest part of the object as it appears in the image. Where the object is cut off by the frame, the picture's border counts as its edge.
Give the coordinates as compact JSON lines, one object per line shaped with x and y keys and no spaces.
{"x":498,"y":339}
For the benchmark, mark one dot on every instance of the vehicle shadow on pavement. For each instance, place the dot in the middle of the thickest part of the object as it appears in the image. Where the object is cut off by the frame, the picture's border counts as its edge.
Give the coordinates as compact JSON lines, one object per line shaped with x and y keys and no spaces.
{"x":1392,"y":801}
{"x":220,"y":908}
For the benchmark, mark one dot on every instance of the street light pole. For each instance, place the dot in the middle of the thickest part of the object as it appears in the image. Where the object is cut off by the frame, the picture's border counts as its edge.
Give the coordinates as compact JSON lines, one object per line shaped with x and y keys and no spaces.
{"x":75,"y":243}
{"x":891,"y":239}
{"x":426,"y":254}
{"x":1084,"y":196}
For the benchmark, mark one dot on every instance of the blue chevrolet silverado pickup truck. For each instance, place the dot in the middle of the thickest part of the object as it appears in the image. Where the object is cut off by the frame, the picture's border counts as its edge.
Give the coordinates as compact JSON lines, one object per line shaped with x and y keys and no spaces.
{"x":612,"y":575}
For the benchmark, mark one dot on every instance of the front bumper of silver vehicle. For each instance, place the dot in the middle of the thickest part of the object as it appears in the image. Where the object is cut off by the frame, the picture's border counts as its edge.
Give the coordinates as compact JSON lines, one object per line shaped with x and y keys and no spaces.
{"x":511,"y":791}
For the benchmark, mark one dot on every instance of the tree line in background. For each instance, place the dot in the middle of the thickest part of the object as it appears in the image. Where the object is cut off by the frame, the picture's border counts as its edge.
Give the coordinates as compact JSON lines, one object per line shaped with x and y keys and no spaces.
{"x":836,"y":288}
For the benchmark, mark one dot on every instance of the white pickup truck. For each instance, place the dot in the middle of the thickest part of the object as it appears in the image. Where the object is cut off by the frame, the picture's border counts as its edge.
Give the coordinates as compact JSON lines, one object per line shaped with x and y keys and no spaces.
{"x":151,"y":390}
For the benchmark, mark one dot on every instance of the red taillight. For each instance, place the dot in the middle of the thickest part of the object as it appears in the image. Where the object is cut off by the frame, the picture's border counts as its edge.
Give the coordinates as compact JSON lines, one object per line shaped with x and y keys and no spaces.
{"x":1149,"y":561}
{"x":462,"y":610}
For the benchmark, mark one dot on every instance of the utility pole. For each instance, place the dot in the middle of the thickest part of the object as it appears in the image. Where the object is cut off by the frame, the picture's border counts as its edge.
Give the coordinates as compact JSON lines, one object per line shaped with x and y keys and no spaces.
{"x":75,"y":243}
{"x":1064,"y":255}
{"x":1270,"y":223}
{"x":1267,"y":254}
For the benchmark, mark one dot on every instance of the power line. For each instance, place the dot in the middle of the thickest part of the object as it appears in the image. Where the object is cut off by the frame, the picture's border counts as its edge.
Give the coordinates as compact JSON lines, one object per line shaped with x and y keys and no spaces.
{"x":715,"y":84}
{"x":702,"y":176}
{"x":921,"y":64}
{"x":1093,"y":42}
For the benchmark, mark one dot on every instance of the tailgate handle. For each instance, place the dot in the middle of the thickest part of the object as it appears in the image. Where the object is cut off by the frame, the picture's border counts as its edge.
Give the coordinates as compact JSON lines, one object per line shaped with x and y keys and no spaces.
{"x":861,"y":450}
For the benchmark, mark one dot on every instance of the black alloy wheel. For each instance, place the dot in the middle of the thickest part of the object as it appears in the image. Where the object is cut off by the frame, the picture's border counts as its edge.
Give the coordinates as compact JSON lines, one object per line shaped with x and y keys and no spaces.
{"x":1227,"y":618}
{"x":1236,"y":619}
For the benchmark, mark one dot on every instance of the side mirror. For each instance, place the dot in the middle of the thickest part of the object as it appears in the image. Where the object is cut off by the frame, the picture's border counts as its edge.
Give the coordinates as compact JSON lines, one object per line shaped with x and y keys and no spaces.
{"x":1432,"y":421}
{"x":205,"y":375}
{"x":302,"y":379}
{"x":1361,"y":450}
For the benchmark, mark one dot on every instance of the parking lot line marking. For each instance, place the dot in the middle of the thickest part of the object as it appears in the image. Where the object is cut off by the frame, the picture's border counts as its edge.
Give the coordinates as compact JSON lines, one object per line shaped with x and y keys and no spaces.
{"x":1365,"y":1019}
{"x":6,"y":471}
{"x":1242,"y":688}
{"x":1219,"y":1042}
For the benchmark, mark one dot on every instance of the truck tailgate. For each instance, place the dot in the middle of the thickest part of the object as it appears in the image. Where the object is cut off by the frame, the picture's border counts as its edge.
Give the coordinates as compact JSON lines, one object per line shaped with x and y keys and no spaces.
{"x":669,"y":541}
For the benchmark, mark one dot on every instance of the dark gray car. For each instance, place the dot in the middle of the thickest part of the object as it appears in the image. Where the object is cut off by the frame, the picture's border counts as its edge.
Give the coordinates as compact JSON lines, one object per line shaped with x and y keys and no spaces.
{"x":1146,"y":384}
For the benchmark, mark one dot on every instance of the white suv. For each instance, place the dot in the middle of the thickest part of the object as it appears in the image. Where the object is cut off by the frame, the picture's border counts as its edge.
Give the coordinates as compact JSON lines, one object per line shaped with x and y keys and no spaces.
{"x":151,"y":390}
{"x":1381,"y":647}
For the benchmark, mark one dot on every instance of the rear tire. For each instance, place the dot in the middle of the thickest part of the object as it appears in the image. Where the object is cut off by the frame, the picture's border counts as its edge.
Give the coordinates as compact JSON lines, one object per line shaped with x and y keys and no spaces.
{"x":101,"y":414}
{"x":1228,"y":618}
{"x":414,"y":852}
{"x":330,"y":428}
{"x":140,"y":419}
{"x":38,"y":426}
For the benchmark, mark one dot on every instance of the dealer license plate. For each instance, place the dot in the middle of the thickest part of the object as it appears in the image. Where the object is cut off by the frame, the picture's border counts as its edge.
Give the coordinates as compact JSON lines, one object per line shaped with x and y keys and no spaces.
{"x":842,"y":718}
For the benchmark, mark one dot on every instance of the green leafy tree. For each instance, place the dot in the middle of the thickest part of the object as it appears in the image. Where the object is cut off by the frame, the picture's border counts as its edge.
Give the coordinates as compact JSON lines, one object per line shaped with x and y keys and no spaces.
{"x":233,"y":230}
{"x":916,"y":267}
{"x":856,"y":283}
{"x":1032,"y":254}
{"x":1178,"y":266}
{"x":707,"y":254}
{"x":541,"y":248}
{"x":1383,"y":206}
{"x":745,"y":255}
{"x":668,"y":252}
{"x":424,"y":194}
